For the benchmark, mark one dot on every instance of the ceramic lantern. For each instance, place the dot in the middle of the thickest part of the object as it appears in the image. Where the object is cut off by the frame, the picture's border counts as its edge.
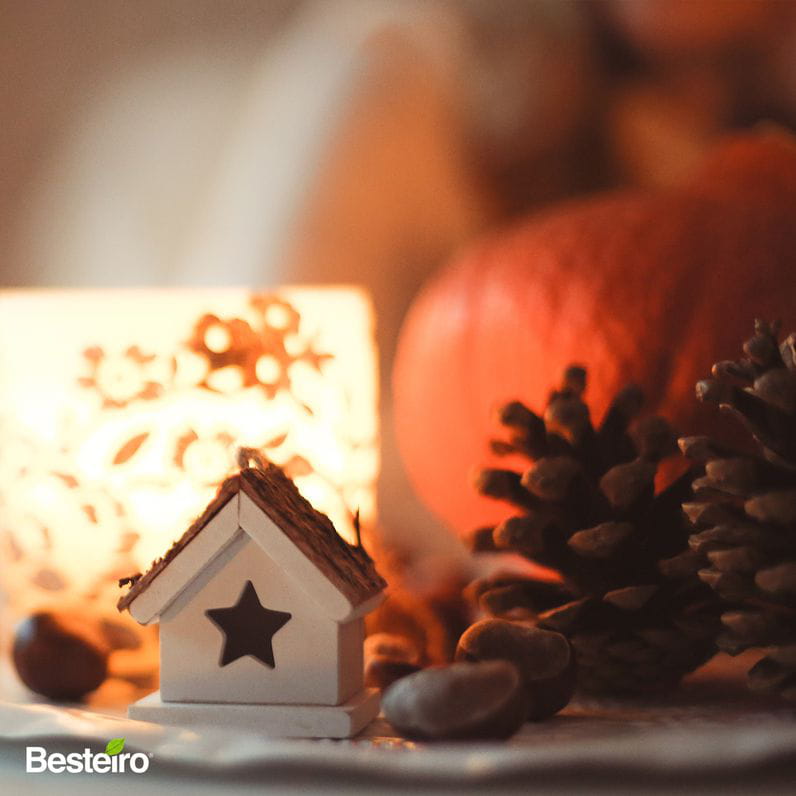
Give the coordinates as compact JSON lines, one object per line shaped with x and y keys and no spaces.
{"x":121,"y":412}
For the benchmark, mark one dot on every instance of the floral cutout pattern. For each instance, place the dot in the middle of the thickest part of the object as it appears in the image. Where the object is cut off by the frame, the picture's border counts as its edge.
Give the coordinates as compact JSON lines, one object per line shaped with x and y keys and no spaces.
{"x":120,"y":380}
{"x":142,"y":458}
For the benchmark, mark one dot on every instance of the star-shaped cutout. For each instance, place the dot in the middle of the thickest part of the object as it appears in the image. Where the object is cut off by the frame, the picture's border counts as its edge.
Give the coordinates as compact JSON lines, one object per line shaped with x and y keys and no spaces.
{"x":248,"y":627}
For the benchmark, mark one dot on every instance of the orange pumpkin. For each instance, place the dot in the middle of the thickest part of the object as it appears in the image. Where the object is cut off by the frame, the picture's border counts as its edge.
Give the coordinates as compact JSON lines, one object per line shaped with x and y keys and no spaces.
{"x":644,"y":287}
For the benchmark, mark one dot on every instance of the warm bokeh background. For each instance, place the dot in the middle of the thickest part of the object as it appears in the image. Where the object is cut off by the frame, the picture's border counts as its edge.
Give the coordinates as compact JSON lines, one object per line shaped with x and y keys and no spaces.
{"x":209,"y":142}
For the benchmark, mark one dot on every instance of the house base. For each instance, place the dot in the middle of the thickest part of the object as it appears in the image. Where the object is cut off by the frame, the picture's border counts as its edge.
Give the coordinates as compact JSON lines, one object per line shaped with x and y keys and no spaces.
{"x":281,"y":721}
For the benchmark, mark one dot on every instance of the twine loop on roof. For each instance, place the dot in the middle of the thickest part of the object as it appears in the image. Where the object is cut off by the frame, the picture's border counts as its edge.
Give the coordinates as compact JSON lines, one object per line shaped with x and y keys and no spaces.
{"x":251,"y":457}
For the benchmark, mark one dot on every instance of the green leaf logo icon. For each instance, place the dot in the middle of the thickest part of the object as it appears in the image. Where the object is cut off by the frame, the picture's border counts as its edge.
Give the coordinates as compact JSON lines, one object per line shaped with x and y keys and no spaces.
{"x":114,"y":746}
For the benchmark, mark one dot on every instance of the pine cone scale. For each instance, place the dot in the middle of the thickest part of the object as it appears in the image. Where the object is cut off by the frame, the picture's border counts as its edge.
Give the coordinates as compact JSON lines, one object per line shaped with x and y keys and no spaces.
{"x":752,"y":555}
{"x":635,"y":610}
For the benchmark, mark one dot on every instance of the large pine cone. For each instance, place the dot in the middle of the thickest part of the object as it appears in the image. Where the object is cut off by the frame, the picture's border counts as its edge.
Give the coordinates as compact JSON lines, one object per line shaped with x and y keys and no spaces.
{"x":630,"y":600}
{"x":744,"y":515}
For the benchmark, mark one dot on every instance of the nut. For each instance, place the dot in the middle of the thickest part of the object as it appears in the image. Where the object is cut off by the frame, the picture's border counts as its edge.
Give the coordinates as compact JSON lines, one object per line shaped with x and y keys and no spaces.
{"x":543,"y":658}
{"x":462,"y":700}
{"x":59,"y":656}
{"x":390,"y":645}
{"x":381,"y":672}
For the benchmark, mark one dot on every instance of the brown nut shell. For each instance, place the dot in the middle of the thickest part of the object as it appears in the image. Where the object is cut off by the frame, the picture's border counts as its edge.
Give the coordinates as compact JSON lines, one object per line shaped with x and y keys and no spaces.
{"x":393,"y":646}
{"x":59,"y":655}
{"x":543,"y":658}
{"x":459,"y":701}
{"x":381,"y":672}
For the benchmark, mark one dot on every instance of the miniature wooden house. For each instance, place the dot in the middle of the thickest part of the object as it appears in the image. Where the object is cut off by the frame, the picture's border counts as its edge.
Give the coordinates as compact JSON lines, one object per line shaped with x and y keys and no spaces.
{"x":261,"y":607}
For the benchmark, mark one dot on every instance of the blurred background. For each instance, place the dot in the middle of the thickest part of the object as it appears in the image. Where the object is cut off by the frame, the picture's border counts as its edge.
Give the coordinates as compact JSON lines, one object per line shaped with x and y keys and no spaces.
{"x":259,"y":143}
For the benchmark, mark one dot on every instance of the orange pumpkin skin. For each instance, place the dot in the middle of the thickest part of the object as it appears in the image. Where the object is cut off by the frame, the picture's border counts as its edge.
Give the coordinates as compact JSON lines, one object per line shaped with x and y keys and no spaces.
{"x":650,"y":288}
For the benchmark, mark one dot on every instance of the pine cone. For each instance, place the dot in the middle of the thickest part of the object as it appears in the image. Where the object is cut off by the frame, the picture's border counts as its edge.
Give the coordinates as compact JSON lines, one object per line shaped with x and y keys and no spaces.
{"x":630,"y":600}
{"x":744,"y":513}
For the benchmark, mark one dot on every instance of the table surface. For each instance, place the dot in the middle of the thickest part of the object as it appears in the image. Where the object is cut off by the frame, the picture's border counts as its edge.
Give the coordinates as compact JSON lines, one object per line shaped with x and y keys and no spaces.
{"x":711,"y":735}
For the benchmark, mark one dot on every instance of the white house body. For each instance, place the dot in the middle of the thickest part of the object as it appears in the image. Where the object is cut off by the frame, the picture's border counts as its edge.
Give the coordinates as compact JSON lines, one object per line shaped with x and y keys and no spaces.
{"x":255,"y":630}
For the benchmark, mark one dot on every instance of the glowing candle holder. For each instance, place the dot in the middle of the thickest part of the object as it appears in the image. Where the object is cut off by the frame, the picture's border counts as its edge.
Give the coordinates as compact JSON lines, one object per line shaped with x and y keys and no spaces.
{"x":122,"y":411}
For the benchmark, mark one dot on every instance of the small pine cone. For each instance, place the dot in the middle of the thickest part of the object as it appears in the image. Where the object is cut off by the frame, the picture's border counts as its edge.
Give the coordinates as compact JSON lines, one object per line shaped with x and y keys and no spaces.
{"x":744,"y":508}
{"x":629,"y":600}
